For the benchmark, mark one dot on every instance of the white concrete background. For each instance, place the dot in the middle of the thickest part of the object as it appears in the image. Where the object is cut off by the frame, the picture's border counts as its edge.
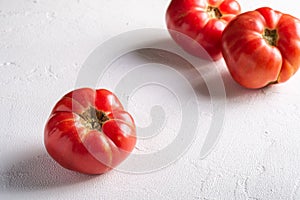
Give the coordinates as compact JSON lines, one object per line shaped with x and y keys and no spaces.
{"x":42,"y":47}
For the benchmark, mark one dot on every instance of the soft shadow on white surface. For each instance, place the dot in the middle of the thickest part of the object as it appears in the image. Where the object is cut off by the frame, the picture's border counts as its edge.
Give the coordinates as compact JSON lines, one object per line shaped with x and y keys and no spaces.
{"x":180,"y":64}
{"x":38,"y":172}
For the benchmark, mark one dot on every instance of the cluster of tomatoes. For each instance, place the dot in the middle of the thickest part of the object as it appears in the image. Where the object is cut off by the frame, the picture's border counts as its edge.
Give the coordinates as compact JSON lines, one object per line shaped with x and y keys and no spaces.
{"x":260,"y":47}
{"x":89,"y":131}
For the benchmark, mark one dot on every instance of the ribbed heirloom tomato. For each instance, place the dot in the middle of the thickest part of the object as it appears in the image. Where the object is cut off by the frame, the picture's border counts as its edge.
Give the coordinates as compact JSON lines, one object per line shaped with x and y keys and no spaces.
{"x":201,"y":20}
{"x":262,"y":47}
{"x":88,"y":131}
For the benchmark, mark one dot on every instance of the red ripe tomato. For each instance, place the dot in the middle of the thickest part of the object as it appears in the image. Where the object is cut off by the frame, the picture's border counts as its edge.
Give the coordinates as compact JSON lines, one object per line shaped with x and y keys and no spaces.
{"x":201,"y":20}
{"x":262,"y":47}
{"x":88,"y":131}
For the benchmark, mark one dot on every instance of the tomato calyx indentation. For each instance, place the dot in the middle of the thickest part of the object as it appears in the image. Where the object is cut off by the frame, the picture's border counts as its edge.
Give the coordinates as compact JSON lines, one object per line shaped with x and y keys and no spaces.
{"x":213,"y":12}
{"x":93,"y":119}
{"x":270,"y":36}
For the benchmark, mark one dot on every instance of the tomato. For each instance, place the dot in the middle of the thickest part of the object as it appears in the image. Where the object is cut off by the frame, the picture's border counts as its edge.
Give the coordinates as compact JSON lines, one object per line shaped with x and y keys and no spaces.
{"x":89,"y":131}
{"x":262,"y":47}
{"x":201,"y":20}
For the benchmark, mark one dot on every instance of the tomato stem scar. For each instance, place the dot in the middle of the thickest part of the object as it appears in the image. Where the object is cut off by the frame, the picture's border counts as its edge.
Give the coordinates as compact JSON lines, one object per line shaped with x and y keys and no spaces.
{"x":270,"y":36}
{"x":93,"y":119}
{"x":214,"y":12}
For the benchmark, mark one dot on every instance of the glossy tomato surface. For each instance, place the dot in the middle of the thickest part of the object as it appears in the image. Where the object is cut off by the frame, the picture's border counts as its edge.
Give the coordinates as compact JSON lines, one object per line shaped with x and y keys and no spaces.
{"x":201,"y":20}
{"x":89,"y":131}
{"x":262,"y":47}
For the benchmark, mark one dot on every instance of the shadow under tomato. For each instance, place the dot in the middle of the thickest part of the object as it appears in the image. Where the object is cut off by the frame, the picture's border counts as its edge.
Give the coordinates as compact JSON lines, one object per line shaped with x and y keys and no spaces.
{"x":178,"y":63}
{"x":193,"y":73}
{"x":38,"y":172}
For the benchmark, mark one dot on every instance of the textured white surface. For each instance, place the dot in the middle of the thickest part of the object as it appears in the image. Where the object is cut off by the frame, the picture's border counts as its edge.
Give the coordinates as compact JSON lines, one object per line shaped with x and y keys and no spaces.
{"x":42,"y":47}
